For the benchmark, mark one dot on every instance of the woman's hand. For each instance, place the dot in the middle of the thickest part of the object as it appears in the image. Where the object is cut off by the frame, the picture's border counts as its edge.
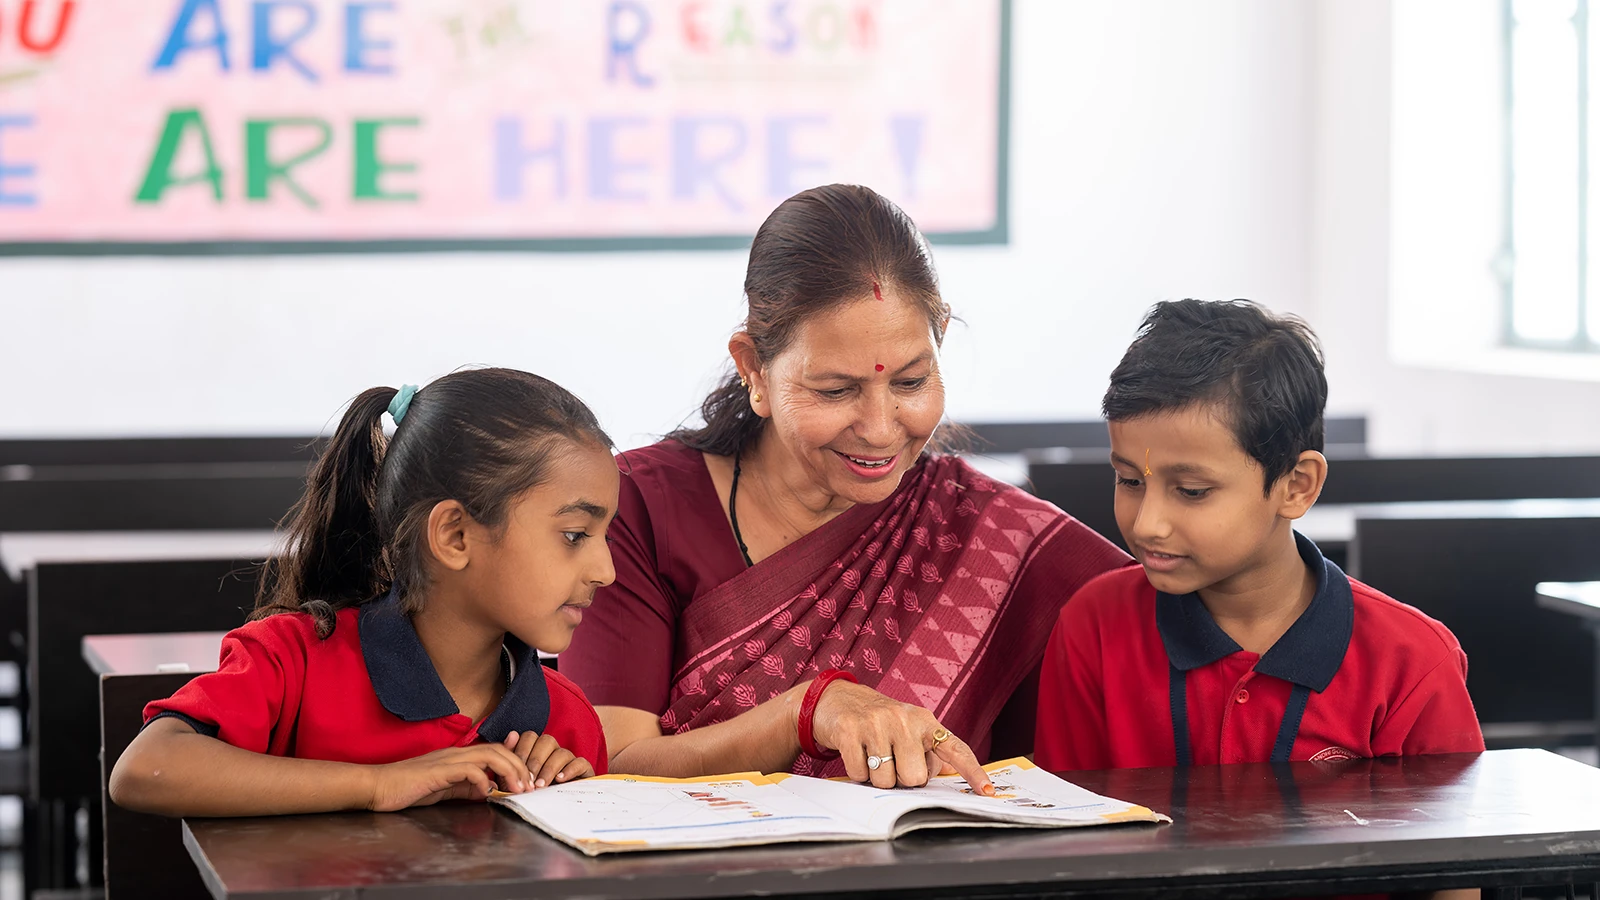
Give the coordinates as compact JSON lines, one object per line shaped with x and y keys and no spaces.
{"x":547,"y":761}
{"x":458,"y":773}
{"x":860,"y":723}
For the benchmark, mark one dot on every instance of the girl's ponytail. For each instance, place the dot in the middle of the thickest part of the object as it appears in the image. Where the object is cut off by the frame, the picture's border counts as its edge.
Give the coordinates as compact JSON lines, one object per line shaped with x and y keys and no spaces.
{"x":334,"y":555}
{"x":481,"y":437}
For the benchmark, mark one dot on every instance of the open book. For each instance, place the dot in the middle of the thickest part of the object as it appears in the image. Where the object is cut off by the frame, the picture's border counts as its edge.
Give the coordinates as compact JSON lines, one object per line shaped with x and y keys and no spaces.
{"x":614,"y":813}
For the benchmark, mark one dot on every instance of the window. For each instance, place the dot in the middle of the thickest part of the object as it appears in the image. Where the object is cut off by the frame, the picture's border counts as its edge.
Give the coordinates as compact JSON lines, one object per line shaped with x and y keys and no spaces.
{"x":1549,"y":265}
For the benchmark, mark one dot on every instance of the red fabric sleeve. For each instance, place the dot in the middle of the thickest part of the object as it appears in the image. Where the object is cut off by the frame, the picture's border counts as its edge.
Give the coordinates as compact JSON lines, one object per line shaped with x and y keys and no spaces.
{"x":1071,"y":729}
{"x":622,"y":653}
{"x":1436,"y":716}
{"x":574,"y":723}
{"x":258,"y":683}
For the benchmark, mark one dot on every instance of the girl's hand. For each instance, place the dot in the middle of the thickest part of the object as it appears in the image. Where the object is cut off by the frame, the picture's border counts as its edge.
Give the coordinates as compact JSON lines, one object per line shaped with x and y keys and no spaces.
{"x":547,"y":762}
{"x":860,"y":723}
{"x":458,"y":773}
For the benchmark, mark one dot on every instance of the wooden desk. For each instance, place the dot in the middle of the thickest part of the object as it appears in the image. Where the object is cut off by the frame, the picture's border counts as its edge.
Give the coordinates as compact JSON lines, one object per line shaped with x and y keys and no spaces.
{"x":143,"y":855}
{"x":1510,"y":817}
{"x":1581,"y":599}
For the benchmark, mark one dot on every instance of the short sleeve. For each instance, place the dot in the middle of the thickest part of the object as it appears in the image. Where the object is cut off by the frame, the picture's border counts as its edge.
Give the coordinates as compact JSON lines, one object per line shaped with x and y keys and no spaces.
{"x":622,"y":653}
{"x":1070,"y":733}
{"x":1436,"y":716}
{"x":574,"y":723}
{"x":256,"y":685}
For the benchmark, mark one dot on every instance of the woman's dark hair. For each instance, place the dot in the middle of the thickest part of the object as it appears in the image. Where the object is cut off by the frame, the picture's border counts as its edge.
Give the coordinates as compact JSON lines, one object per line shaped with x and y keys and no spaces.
{"x":1264,"y":370}
{"x":482,"y":437}
{"x":820,"y":248}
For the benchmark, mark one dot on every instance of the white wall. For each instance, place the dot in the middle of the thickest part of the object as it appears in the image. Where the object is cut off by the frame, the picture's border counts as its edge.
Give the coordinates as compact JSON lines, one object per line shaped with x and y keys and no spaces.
{"x":1411,"y":408}
{"x":1160,"y":150}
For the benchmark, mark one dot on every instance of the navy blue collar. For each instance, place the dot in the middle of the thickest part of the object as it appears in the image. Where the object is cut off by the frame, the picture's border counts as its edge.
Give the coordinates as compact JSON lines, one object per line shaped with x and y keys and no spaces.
{"x":1309,"y":653}
{"x":409,"y":687}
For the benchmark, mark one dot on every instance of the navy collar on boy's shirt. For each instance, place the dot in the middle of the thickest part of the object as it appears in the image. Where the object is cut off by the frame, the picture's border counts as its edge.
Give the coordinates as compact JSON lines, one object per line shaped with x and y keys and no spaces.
{"x":409,"y":687}
{"x":1309,"y":653}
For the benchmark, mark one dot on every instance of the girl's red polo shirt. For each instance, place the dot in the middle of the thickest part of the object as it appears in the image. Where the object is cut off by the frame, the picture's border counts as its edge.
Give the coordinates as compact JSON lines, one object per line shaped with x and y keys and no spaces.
{"x":366,"y":694}
{"x":1136,"y":678}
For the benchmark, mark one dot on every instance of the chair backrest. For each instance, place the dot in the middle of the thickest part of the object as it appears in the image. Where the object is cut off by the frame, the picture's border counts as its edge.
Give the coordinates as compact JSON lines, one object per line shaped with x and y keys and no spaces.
{"x":1476,"y":574}
{"x":1423,"y":479}
{"x":67,"y":601}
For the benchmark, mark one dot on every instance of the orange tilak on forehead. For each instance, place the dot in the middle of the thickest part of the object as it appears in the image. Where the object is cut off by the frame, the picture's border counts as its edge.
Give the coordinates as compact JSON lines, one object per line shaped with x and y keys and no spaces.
{"x":1147,"y":462}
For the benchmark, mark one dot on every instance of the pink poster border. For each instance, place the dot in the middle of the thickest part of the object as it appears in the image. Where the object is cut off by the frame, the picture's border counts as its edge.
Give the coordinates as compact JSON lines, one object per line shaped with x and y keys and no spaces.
{"x":997,"y":234}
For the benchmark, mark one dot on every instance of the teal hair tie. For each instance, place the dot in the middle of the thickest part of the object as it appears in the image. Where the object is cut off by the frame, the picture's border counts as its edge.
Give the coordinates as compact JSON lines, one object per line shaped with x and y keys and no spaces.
{"x":402,"y":402}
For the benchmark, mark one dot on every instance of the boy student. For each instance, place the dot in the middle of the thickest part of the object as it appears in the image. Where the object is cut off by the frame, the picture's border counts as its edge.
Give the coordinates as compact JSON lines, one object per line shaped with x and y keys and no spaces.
{"x":1236,"y":641}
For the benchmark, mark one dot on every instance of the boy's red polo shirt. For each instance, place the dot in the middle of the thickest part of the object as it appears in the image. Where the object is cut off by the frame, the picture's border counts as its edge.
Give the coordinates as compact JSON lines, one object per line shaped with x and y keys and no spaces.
{"x":1133,"y":678}
{"x":367,"y":694}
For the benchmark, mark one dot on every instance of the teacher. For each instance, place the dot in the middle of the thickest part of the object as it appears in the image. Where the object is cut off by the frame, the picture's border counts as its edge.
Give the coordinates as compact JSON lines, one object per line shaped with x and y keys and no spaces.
{"x":803,"y":583}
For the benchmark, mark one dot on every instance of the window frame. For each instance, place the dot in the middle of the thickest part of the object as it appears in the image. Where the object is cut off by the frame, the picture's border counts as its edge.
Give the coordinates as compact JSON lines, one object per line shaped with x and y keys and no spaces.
{"x":1586,"y":337}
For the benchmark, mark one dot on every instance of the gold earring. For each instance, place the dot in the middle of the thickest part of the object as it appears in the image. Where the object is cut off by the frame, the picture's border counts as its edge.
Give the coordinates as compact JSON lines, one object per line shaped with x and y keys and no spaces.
{"x":756,"y":397}
{"x":743,"y":382}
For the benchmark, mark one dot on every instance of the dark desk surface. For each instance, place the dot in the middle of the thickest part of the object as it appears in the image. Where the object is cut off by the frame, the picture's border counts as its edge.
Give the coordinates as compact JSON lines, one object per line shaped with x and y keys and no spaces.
{"x":147,"y":654}
{"x":1498,"y":818}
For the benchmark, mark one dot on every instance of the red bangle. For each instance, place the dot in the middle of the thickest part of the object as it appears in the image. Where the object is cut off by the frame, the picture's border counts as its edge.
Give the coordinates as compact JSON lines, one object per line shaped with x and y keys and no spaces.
{"x":808,"y":711}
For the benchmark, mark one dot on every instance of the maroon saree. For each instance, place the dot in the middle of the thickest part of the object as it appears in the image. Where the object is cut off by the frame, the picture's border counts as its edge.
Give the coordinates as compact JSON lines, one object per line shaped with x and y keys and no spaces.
{"x":917,"y":596}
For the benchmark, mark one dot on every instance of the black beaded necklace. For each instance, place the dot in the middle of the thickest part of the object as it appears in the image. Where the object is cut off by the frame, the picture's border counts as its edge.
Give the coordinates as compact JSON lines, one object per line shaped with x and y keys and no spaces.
{"x":733,"y":513}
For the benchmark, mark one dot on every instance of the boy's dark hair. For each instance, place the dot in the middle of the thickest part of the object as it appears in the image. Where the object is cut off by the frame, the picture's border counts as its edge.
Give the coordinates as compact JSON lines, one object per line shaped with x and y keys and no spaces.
{"x":482,"y":437}
{"x":1264,"y":370}
{"x":819,"y":249}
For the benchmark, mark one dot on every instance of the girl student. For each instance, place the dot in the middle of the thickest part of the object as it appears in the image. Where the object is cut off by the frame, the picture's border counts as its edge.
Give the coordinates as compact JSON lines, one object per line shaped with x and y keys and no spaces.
{"x":390,"y":660}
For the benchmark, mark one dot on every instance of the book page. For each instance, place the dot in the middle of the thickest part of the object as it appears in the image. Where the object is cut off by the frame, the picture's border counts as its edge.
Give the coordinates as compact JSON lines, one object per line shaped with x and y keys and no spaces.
{"x":614,"y":813}
{"x":1024,"y":795}
{"x":622,"y":812}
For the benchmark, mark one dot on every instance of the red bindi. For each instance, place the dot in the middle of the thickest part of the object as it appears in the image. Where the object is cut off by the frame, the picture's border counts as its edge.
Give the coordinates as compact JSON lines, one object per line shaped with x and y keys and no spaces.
{"x":876,"y":291}
{"x":879,"y":367}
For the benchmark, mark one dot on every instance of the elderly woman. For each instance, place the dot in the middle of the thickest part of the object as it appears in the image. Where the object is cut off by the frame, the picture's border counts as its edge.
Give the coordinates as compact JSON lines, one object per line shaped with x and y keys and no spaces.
{"x":802,"y":583}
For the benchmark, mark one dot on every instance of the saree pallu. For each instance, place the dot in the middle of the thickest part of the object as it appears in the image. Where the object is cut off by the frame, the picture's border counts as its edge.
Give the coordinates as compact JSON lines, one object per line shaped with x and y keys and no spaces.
{"x":915,"y":596}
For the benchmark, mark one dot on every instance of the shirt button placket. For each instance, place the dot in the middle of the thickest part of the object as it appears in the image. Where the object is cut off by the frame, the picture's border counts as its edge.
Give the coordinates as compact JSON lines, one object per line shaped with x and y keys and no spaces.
{"x":1232,"y":738}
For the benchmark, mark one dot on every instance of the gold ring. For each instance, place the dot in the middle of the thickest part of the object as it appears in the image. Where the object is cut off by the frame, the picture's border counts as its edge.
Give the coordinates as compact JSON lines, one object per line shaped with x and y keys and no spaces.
{"x":940,"y":735}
